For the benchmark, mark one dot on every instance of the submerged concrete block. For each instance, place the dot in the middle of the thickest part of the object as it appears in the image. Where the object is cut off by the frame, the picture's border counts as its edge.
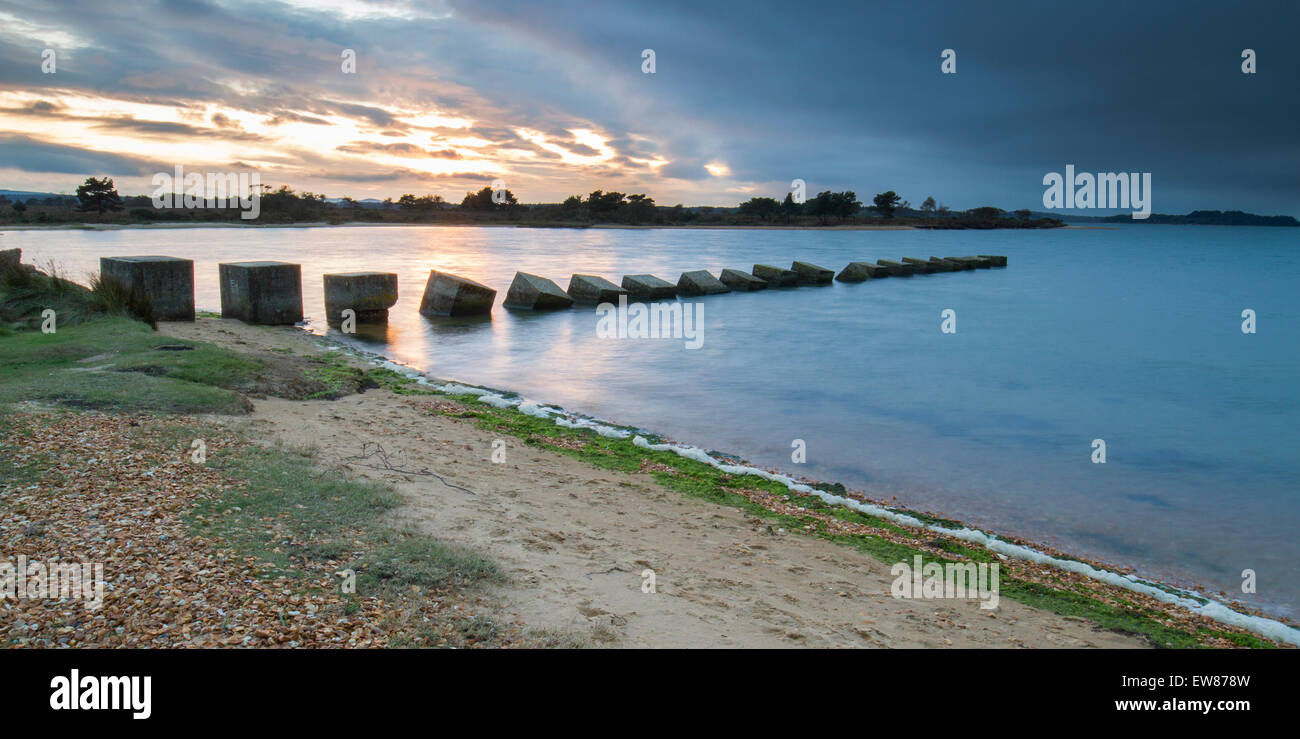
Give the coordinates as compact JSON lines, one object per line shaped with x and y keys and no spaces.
{"x":896,"y":269}
{"x":268,"y":293}
{"x":861,"y":271}
{"x":700,"y":282}
{"x":776,"y":276}
{"x":10,"y":259}
{"x":648,"y":287}
{"x":971,"y":262}
{"x":530,"y":292}
{"x":167,"y":281}
{"x":922,"y":266}
{"x":593,"y":289}
{"x":995,"y":260}
{"x":369,"y":294}
{"x":449,"y":295}
{"x":741,"y":281}
{"x":943,"y":265}
{"x":811,"y":274}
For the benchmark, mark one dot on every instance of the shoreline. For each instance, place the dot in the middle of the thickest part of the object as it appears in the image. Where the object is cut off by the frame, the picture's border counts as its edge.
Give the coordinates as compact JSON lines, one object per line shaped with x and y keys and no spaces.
{"x":362,"y":224}
{"x":1223,"y":611}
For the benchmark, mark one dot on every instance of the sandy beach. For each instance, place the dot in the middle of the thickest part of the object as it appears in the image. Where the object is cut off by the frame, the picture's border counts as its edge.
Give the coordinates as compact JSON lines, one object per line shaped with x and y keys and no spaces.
{"x":575,"y":539}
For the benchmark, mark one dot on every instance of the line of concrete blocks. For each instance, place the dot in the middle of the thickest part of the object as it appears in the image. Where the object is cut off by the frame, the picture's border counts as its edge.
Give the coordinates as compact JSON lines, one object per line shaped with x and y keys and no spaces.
{"x":533,"y":292}
{"x":271,"y":292}
{"x":862,"y":271}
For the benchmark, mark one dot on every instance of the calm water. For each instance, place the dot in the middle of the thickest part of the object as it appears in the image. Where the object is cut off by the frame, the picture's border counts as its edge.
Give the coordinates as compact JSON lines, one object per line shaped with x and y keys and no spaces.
{"x":1131,"y":335}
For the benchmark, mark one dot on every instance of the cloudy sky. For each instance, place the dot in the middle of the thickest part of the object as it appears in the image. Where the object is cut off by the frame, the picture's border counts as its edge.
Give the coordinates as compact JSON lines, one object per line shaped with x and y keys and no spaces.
{"x":551,"y":97}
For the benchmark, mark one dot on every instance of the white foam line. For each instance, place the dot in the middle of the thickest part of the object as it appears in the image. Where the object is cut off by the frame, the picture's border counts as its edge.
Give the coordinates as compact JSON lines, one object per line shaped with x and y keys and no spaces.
{"x":1267,"y":627}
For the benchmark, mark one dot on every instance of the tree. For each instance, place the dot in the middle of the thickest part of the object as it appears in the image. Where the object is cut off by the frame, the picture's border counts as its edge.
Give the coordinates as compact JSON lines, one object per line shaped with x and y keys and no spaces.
{"x":603,"y":205}
{"x":845,"y":204}
{"x":886,"y":203}
{"x":928,"y":206}
{"x":790,"y":208}
{"x":1024,"y":214}
{"x":764,"y":208}
{"x":986,"y":212}
{"x":19,"y":207}
{"x":483,"y":200}
{"x":639,"y":208}
{"x":98,"y":195}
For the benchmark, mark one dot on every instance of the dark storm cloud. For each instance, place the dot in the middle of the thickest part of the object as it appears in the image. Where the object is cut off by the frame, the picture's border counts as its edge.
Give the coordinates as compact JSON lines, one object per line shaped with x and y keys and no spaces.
{"x":842,"y":95}
{"x":852,"y":94}
{"x":30,"y":155}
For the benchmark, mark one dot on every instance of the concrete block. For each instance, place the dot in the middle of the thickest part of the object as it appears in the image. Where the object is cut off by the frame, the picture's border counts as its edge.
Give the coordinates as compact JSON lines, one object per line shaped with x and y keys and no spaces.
{"x":896,"y":269}
{"x":648,"y":287}
{"x":741,"y":281}
{"x":268,"y":293}
{"x":921,"y":266}
{"x":995,"y":260}
{"x":448,"y":295}
{"x":811,"y":274}
{"x":861,"y":271}
{"x":369,"y":294}
{"x":776,"y":276}
{"x":971,"y":262}
{"x":593,"y":289}
{"x":700,"y":282}
{"x":167,"y":281}
{"x":530,"y":292}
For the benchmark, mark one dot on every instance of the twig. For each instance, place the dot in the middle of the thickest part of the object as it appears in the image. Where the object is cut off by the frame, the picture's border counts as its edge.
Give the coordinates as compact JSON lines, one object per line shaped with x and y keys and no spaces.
{"x":388,"y":466}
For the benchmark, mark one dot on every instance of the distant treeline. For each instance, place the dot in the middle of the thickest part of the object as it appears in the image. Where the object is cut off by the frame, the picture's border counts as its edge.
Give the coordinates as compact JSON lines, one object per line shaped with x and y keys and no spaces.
{"x":97,"y":201}
{"x":1210,"y":218}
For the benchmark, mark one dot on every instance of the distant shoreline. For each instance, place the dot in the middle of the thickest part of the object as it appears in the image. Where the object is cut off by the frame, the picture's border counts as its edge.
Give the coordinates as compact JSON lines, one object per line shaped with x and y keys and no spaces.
{"x":358,"y":224}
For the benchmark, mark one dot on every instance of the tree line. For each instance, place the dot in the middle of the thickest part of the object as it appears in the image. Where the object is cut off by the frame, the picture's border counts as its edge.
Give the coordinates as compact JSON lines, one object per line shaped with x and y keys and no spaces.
{"x":98,"y":196}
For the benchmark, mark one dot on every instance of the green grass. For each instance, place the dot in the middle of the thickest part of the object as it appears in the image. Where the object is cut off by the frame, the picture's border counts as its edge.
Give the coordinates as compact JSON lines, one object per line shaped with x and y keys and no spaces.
{"x":323,"y":516}
{"x":25,"y":294}
{"x":114,"y":364}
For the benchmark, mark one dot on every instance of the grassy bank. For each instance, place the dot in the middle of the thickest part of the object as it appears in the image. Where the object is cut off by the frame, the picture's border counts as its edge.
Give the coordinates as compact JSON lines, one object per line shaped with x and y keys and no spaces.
{"x":97,"y":464}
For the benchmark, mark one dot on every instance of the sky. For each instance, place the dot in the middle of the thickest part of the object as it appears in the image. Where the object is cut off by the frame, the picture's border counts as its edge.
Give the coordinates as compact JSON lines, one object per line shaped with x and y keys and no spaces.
{"x":554,"y":99}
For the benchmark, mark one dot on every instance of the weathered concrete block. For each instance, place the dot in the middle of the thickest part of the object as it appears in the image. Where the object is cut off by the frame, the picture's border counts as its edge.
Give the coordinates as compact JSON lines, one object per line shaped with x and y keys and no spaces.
{"x":971,"y":262}
{"x":268,"y":293}
{"x":741,"y":281}
{"x":921,"y":266}
{"x":956,"y":266}
{"x":369,"y":294}
{"x":700,"y":282}
{"x":776,"y":276}
{"x":896,"y":269}
{"x":995,"y":260}
{"x":530,"y":292}
{"x":593,"y":289}
{"x":861,"y":271}
{"x":10,"y":259}
{"x":449,"y":295}
{"x":943,"y":265}
{"x":811,"y":274}
{"x":648,"y":287}
{"x":167,"y":281}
